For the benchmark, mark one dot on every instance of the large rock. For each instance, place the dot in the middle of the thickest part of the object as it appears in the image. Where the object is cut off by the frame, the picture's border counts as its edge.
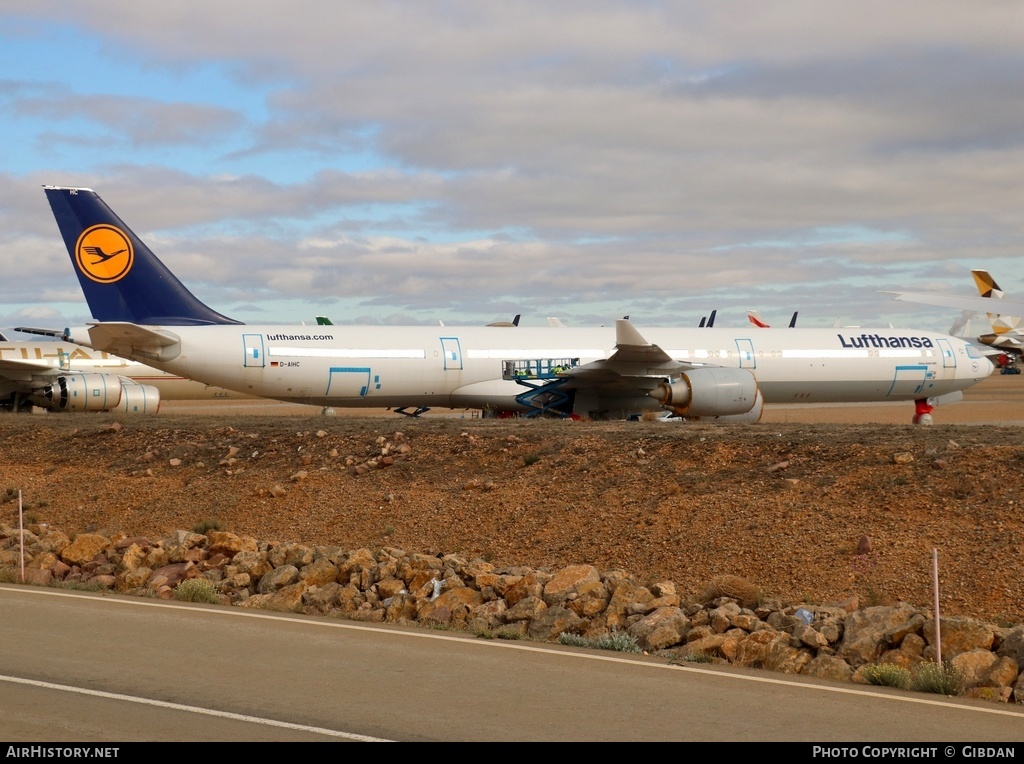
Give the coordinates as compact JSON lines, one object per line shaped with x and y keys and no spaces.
{"x":664,"y":627}
{"x":565,"y":583}
{"x":956,"y":635}
{"x":866,"y":633}
{"x":85,"y":548}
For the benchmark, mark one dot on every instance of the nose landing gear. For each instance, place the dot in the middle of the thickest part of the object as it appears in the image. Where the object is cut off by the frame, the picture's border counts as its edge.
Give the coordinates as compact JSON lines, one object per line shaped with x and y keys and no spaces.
{"x":923,"y":411}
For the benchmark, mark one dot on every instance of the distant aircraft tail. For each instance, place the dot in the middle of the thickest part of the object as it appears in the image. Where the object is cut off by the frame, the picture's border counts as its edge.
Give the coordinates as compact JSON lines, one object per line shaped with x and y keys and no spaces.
{"x":121,"y":278}
{"x":987,"y":286}
{"x":755,"y":318}
{"x":1005,"y":328}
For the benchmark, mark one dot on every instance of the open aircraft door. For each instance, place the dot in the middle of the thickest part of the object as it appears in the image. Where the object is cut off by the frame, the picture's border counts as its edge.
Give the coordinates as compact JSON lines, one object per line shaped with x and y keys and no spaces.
{"x":745,"y":351}
{"x":948,"y":357}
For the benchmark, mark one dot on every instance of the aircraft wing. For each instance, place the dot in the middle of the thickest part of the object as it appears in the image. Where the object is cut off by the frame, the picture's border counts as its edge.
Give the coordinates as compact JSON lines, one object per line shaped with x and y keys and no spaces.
{"x":689,"y":389}
{"x":636,"y":363}
{"x":959,"y":302}
{"x":17,"y":375}
{"x":22,"y":367}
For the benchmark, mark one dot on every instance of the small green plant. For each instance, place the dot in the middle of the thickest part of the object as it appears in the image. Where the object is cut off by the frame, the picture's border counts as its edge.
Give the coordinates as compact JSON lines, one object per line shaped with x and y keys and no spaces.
{"x":81,"y":586}
{"x":694,"y":656}
{"x":530,"y":459}
{"x":196,"y":590}
{"x":614,"y":640}
{"x":205,"y":526}
{"x":886,"y":675}
{"x":941,"y":679}
{"x":699,"y":656}
{"x":573,"y":640}
{"x":440,"y":626}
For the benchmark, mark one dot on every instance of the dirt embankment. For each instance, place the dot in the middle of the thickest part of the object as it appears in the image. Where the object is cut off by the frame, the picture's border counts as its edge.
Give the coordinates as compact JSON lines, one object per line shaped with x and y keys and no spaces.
{"x":781,"y":503}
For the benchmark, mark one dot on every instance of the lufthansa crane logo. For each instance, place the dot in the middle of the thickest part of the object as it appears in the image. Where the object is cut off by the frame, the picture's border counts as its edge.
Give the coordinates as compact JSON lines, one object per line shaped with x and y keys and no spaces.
{"x":104,"y":254}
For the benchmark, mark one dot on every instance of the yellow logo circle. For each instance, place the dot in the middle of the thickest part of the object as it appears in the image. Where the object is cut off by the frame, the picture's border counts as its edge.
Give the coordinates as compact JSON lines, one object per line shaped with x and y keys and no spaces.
{"x":104,"y":254}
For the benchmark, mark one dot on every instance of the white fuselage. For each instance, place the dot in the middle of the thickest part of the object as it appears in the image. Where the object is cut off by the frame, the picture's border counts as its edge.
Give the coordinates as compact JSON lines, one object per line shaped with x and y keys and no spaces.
{"x":463,"y":367}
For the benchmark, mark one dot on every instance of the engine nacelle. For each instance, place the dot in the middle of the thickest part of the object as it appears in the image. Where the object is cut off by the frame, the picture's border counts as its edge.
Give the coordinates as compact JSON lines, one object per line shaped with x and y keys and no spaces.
{"x":96,"y":392}
{"x":138,"y":399}
{"x":712,"y":392}
{"x":751,"y":417}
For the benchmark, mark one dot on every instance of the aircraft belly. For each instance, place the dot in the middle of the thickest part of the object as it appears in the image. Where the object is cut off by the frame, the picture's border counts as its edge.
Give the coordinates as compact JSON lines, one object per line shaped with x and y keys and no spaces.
{"x":355,"y":383}
{"x":487,"y":392}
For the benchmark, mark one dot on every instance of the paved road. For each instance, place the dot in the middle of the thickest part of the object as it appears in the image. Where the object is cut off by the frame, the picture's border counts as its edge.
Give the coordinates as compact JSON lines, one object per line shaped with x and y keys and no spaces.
{"x":87,"y":667}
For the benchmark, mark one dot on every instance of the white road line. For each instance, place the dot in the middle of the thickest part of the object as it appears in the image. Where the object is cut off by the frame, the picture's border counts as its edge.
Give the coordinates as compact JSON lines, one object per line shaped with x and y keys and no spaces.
{"x":536,"y":648}
{"x":193,"y":709}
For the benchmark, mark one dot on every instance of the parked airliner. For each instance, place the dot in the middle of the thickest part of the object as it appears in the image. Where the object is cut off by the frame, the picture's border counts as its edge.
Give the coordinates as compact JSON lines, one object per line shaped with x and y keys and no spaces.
{"x":61,"y":376}
{"x":142,"y":311}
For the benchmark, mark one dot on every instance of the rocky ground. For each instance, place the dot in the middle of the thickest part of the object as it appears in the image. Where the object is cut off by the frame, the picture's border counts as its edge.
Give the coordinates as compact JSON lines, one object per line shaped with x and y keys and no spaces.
{"x":785,"y":503}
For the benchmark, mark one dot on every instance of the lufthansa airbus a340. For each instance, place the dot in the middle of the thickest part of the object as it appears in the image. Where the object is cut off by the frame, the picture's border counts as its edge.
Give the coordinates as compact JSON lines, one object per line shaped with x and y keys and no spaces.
{"x":142,"y":311}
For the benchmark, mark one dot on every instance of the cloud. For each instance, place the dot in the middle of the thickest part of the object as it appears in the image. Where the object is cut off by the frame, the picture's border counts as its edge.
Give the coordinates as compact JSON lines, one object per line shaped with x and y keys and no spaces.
{"x":411,"y":159}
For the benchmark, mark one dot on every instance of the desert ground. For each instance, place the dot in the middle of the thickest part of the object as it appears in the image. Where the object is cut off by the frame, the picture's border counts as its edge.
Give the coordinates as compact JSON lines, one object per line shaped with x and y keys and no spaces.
{"x":784,"y":503}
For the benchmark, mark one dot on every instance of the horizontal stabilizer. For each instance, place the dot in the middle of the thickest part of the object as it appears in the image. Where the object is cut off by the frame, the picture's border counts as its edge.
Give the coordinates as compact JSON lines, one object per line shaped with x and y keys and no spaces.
{"x":58,"y":333}
{"x":126,"y":339}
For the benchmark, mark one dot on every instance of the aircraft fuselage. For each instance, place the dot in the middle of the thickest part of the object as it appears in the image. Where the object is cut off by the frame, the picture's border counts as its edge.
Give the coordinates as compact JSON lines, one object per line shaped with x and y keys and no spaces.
{"x":463,"y":367}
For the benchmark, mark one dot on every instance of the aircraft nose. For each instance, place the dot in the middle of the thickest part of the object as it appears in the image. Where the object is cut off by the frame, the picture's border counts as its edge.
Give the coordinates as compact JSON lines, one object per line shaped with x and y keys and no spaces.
{"x":986,"y":366}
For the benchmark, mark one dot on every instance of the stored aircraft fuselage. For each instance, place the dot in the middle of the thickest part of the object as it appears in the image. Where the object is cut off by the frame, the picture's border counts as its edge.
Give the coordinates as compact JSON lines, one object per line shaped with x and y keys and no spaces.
{"x":467,"y":367}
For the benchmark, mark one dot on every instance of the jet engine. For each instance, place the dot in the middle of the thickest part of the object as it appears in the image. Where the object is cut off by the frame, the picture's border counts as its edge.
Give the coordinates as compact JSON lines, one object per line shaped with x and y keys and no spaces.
{"x":138,"y":399}
{"x":96,"y":392}
{"x":712,"y":391}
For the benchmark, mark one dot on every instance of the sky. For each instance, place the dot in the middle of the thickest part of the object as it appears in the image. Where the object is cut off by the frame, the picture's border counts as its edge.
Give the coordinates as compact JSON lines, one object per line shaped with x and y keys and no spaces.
{"x":414,"y":162}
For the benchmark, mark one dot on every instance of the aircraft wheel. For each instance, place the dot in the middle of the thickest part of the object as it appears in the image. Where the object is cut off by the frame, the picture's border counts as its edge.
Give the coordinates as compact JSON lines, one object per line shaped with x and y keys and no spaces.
{"x":328,"y":411}
{"x":923,"y":419}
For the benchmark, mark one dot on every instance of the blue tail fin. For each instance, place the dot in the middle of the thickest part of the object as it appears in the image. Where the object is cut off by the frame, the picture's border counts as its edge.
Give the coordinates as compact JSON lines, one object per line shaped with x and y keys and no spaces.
{"x":122,"y":279}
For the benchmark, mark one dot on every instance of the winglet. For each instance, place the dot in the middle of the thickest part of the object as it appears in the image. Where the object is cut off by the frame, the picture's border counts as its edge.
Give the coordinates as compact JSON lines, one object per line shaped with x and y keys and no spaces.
{"x":627,"y":335}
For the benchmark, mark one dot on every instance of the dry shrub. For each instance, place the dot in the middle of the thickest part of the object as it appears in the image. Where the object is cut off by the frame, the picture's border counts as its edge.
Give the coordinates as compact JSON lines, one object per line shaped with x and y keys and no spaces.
{"x":739,"y":589}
